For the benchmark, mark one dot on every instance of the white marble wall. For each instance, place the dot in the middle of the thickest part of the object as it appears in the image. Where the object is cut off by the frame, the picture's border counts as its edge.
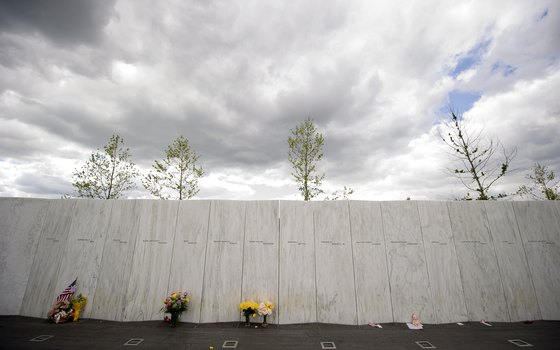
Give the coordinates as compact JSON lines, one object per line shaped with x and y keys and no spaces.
{"x":480,"y":273}
{"x":346,"y":262}
{"x":373,"y":294}
{"x":514,"y":271}
{"x":40,"y":294}
{"x":223,"y":275}
{"x":189,"y":254}
{"x":110,"y":297}
{"x":441,"y":258}
{"x":20,"y":227}
{"x":406,"y":261}
{"x":151,"y":263}
{"x":84,"y":248}
{"x":539,"y":225}
{"x":336,"y":294}
{"x":297,"y":297}
{"x":260,"y":254}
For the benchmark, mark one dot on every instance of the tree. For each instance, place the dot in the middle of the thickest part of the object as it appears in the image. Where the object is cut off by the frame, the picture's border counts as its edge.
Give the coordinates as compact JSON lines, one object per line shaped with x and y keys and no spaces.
{"x":107,"y":174}
{"x":304,"y":152}
{"x":340,"y":194}
{"x":544,"y":181}
{"x":478,"y":169}
{"x":176,"y":176}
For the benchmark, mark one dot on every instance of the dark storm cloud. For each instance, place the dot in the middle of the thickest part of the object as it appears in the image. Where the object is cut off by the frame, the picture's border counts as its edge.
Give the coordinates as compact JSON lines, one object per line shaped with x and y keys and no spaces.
{"x":64,"y":22}
{"x":219,"y":143}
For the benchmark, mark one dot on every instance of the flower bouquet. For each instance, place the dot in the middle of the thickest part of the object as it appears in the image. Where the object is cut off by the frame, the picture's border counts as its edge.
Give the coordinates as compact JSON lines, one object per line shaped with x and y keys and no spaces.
{"x":265,"y":309}
{"x":249,"y":308}
{"x":175,"y":304}
{"x":77,"y":304}
{"x":61,"y":312}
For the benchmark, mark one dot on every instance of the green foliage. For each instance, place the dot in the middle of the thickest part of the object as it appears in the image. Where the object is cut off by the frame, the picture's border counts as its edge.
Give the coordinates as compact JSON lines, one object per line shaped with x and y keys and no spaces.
{"x":107,"y":174}
{"x":305,"y":150}
{"x":477,"y":167}
{"x":176,"y":176}
{"x":544,"y":184}
{"x":341,"y":194}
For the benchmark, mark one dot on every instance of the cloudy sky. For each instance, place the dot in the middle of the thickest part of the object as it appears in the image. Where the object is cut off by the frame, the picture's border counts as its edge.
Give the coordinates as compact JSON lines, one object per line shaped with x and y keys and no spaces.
{"x":377,"y":77}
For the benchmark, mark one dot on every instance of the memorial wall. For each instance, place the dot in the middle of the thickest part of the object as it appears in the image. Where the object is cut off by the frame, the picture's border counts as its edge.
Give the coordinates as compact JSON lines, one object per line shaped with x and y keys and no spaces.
{"x":345,"y":262}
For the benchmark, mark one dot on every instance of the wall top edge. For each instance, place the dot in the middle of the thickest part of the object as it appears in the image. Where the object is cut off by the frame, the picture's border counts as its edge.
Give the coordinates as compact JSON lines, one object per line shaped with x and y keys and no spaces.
{"x":275,"y":200}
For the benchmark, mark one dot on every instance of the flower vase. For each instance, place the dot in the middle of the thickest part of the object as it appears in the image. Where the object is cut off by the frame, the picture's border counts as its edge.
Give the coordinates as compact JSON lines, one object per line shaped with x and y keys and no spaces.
{"x":264,"y":324}
{"x":175,"y":318}
{"x":247,"y":321}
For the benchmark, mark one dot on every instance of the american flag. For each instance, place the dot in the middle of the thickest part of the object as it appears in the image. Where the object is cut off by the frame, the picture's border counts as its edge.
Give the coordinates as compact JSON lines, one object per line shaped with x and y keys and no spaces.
{"x":68,"y":292}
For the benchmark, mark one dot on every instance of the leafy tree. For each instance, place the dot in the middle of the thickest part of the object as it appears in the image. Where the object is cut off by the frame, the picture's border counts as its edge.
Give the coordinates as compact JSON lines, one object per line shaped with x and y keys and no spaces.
{"x":477,"y":169}
{"x":304,"y":152}
{"x":544,"y":182}
{"x":107,"y":174}
{"x":176,"y":176}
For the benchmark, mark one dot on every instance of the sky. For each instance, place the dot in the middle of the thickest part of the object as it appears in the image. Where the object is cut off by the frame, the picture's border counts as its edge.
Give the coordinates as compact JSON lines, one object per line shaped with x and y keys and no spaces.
{"x":235,"y":77}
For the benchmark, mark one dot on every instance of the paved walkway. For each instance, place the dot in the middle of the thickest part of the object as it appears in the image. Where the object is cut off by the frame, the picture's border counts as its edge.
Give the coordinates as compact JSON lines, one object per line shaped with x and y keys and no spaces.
{"x":17,"y":332}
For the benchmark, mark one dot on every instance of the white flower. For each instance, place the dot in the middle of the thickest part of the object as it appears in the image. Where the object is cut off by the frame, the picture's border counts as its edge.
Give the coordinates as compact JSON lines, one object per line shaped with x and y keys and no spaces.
{"x":263,"y":309}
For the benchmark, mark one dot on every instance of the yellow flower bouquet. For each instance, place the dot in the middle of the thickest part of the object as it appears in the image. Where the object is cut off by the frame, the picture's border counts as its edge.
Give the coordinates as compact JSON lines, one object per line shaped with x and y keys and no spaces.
{"x":249,"y":308}
{"x":78,"y":304}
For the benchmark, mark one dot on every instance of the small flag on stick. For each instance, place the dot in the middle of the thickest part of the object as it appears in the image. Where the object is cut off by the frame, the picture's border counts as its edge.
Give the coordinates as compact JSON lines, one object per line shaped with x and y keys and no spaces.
{"x":68,"y":292}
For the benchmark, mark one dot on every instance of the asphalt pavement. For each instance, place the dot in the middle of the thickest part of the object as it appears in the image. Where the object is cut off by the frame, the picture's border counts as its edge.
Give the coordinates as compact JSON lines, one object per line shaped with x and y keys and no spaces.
{"x":17,"y":332}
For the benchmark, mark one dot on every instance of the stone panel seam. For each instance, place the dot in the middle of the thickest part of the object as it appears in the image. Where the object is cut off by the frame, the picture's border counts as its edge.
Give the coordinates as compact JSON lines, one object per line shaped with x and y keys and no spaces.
{"x":65,"y":248}
{"x":458,"y":262}
{"x":41,"y":233}
{"x":278,"y":261}
{"x":353,"y":264}
{"x":497,"y":260}
{"x":386,"y":260}
{"x":173,"y":248}
{"x":315,"y":268}
{"x":521,"y":234}
{"x":204,"y":266}
{"x":102,"y":252}
{"x":243,"y":256}
{"x":434,"y":313}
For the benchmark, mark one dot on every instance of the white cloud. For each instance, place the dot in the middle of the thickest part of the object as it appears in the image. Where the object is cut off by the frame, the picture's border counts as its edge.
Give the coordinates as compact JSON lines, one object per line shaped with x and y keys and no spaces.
{"x":235,"y":77}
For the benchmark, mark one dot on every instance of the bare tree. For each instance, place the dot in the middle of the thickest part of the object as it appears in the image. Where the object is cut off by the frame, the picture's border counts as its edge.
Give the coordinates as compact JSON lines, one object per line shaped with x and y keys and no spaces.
{"x":477,"y":162}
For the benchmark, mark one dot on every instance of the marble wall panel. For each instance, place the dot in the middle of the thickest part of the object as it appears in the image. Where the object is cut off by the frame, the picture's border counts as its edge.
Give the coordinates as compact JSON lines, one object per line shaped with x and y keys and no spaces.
{"x":223,"y":276}
{"x":297,"y":298}
{"x":408,"y":272}
{"x":441,"y":258}
{"x":40,"y":293}
{"x":373,"y":297}
{"x":20,"y":227}
{"x":109,"y":299}
{"x":336,"y":294}
{"x":151,"y":263}
{"x":189,"y":254}
{"x":480,"y":273}
{"x":539,"y":226}
{"x":516,"y":278}
{"x":385,"y":259}
{"x":260,"y":257}
{"x":84,"y":249}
